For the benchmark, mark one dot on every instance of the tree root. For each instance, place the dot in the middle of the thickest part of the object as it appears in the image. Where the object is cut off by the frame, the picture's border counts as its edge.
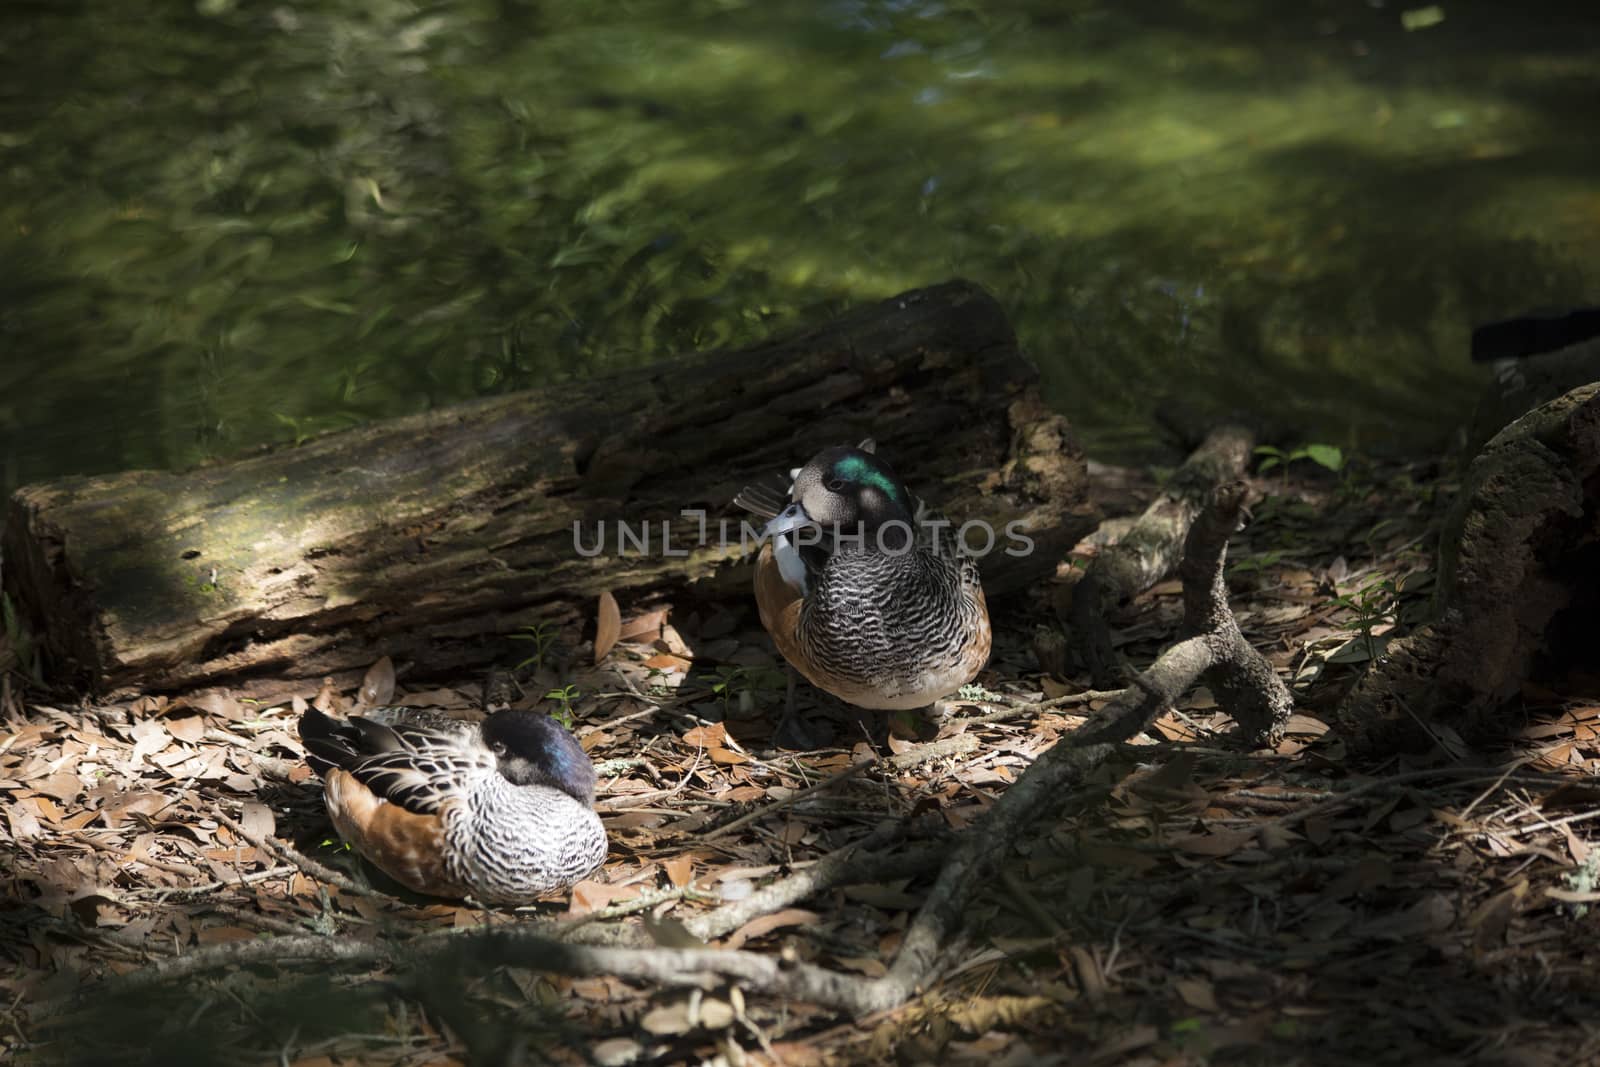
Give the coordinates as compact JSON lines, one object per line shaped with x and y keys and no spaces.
{"x":1150,"y":550}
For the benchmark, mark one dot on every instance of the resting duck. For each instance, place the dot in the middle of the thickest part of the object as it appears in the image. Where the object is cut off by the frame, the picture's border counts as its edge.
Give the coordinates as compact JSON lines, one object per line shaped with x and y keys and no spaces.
{"x":892,"y":620}
{"x":501,"y":811}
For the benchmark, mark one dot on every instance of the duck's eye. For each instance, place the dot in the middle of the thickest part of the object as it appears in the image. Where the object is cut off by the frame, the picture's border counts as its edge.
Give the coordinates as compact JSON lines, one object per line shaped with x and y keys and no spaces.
{"x":497,"y":747}
{"x":836,"y":486}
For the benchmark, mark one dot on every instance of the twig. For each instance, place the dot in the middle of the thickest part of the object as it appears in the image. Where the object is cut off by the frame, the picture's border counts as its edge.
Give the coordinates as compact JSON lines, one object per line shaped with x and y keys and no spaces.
{"x":256,"y":918}
{"x":320,"y":872}
{"x":1021,"y":709}
{"x":162,"y":893}
{"x":1498,"y":782}
{"x":644,"y":902}
{"x":611,"y":767}
{"x":615,"y":803}
{"x":1544,"y":824}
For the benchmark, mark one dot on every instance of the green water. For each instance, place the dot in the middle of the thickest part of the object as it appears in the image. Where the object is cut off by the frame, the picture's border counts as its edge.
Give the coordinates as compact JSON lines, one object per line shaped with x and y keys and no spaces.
{"x":225,"y":223}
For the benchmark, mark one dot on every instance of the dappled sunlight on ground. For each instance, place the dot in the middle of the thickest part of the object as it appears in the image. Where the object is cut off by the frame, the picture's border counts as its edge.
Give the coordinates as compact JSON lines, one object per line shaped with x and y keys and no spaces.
{"x":1309,"y":904}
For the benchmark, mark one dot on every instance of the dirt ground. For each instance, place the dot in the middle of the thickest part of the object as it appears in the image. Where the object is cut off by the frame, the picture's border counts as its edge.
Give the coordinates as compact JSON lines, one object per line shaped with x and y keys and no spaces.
{"x":1197,"y":903}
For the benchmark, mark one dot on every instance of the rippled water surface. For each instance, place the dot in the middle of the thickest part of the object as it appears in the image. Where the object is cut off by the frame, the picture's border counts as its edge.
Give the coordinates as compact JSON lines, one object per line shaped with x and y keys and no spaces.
{"x":224,"y":223}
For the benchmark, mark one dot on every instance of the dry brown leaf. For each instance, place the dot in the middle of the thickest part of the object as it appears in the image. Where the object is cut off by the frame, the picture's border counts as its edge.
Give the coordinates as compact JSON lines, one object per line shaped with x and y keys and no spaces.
{"x":377,"y":685}
{"x":679,"y":870}
{"x":1197,"y":993}
{"x":257,"y":819}
{"x":62,"y":785}
{"x":1577,"y":847}
{"x":672,"y":641}
{"x":150,"y":736}
{"x":1175,"y":730}
{"x":590,"y":896}
{"x":1305,"y":724}
{"x":188,"y":728}
{"x":24,"y":826}
{"x":1054,"y":690}
{"x":726,"y":757}
{"x":1275,"y":837}
{"x":666,"y":661}
{"x":217,"y":702}
{"x":1432,"y":914}
{"x":608,"y":626}
{"x":1570,"y":796}
{"x":215,"y":935}
{"x":760,"y":927}
{"x":1490,"y":919}
{"x":46,"y":809}
{"x":1219,"y":843}
{"x":647,"y":626}
{"x":712,"y":735}
{"x":237,"y":854}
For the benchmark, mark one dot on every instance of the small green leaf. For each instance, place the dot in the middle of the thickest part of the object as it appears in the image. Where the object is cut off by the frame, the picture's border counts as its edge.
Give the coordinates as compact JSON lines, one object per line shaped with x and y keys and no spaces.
{"x":1325,"y":456}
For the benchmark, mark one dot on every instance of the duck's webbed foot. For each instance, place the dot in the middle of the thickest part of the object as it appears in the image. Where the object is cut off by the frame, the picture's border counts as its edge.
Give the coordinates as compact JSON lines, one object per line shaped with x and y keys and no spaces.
{"x":792,"y":732}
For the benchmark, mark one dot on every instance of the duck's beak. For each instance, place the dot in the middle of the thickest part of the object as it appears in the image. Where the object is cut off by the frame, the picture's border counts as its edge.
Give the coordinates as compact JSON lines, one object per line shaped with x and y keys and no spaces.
{"x":788,"y":520}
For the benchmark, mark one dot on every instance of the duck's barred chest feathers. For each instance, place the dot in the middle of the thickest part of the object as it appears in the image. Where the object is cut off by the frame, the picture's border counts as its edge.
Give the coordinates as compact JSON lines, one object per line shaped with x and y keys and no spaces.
{"x":509,"y":843}
{"x":888,"y":621}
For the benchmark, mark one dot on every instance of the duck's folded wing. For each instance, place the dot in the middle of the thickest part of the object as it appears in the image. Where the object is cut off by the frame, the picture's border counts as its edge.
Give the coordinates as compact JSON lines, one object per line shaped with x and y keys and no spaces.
{"x":419,"y":782}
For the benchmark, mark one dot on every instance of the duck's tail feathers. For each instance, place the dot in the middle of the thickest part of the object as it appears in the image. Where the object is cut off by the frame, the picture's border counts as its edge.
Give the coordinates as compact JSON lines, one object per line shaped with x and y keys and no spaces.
{"x":334,"y":742}
{"x":764,"y":499}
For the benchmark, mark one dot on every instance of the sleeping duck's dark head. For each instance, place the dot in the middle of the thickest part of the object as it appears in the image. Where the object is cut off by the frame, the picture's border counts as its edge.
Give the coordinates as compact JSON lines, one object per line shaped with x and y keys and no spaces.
{"x":534,"y":749}
{"x":846,"y":488}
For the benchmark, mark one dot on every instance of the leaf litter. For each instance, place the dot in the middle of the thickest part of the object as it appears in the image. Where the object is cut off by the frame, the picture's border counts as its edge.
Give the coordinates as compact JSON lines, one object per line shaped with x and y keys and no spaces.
{"x":1194,"y":903}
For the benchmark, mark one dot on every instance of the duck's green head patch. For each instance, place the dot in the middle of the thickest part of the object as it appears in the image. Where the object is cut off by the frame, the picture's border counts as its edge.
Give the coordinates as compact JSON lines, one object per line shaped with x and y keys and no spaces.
{"x":863,"y":469}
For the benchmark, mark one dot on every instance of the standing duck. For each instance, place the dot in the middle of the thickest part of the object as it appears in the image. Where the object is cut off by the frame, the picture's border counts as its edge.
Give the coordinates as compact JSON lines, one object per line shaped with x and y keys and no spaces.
{"x":862,"y":591}
{"x":502,"y":811}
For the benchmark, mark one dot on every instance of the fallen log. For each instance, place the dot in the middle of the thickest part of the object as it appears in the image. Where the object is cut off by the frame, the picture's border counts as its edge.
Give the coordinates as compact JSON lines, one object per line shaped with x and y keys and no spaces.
{"x":1519,"y":583}
{"x":433,"y":537}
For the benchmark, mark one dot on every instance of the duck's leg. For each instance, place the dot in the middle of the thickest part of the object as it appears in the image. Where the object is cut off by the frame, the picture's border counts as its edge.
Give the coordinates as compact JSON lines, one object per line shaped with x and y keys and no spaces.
{"x":921,"y":724}
{"x":791,"y":732}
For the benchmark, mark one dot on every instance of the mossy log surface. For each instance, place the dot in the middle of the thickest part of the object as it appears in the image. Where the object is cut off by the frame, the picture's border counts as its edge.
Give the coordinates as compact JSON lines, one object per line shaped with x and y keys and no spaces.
{"x":431,"y":538}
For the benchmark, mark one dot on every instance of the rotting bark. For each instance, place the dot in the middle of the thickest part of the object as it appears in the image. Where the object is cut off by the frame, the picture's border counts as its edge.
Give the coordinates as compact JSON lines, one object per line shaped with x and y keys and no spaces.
{"x":432,"y":537}
{"x":1213,"y":648}
{"x":1150,"y":550}
{"x":1519,"y":580}
{"x":1520,"y":385}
